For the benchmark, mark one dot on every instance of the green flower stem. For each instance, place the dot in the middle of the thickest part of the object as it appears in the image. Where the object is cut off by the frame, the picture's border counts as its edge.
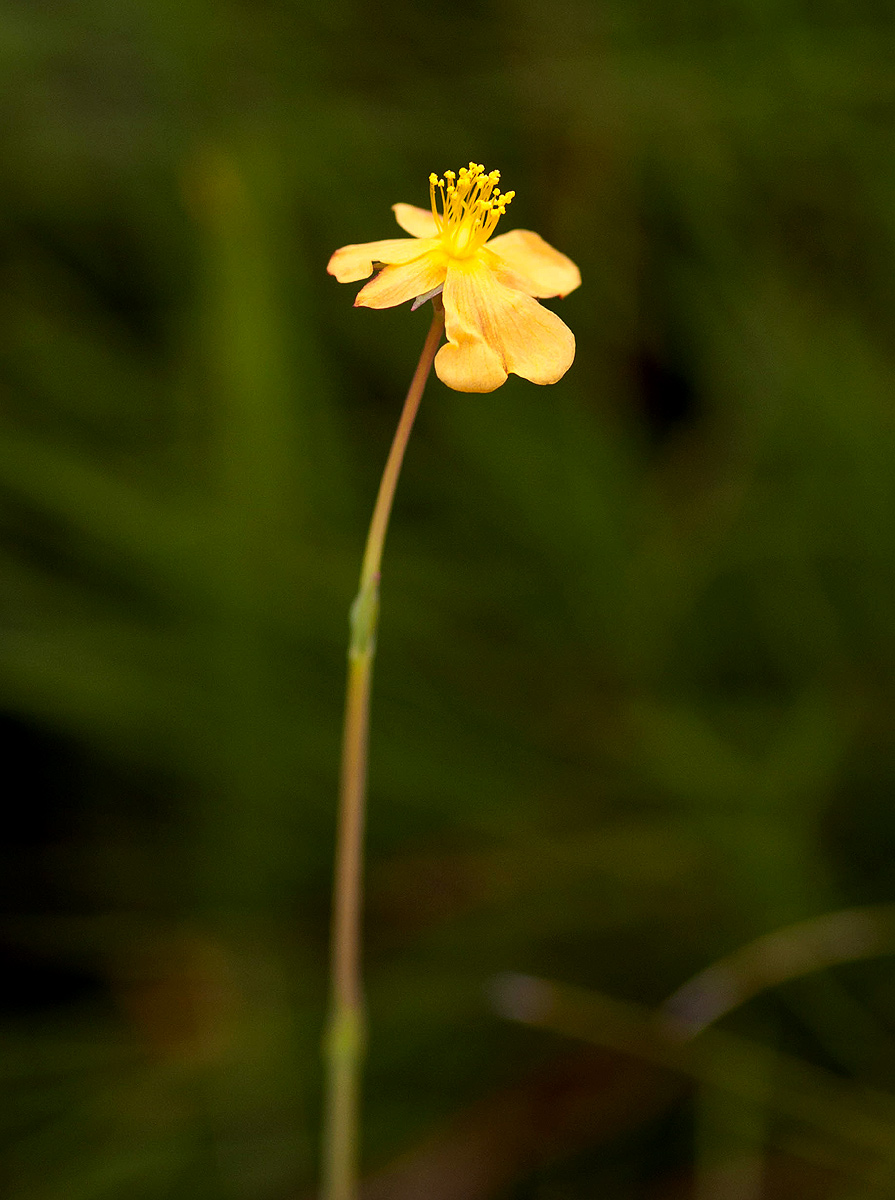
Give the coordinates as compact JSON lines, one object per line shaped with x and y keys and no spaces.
{"x":345,"y":1035}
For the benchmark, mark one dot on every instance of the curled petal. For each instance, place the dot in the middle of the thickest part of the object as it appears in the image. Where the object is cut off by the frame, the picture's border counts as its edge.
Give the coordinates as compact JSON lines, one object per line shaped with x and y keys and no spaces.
{"x":530,"y":264}
{"x":418,"y":221}
{"x":405,"y":281}
{"x":468,"y":364}
{"x":493,"y":329}
{"x":356,"y":262}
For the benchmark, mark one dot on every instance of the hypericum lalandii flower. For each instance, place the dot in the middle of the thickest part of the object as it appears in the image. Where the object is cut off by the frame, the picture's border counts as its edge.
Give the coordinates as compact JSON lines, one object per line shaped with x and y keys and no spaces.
{"x":493,"y":322}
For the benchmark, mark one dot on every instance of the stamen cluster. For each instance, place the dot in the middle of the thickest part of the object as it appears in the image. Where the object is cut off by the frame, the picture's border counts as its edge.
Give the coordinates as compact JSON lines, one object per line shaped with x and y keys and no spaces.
{"x":471,"y":206}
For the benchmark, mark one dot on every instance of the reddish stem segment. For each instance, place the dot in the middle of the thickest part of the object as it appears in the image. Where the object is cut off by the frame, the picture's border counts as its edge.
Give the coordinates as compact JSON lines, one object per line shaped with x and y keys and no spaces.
{"x":345,"y":1037}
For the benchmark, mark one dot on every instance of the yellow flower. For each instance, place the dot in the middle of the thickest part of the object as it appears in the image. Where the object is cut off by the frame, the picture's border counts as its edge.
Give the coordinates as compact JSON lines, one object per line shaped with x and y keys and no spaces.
{"x":493,"y":322}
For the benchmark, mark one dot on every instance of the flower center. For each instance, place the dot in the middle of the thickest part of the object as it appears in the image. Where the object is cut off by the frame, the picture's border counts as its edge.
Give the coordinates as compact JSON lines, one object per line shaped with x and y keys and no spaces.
{"x":471,"y":206}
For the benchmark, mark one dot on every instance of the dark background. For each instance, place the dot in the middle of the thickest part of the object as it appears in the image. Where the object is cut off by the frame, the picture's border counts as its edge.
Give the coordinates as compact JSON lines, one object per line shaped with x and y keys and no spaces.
{"x":634,"y":698}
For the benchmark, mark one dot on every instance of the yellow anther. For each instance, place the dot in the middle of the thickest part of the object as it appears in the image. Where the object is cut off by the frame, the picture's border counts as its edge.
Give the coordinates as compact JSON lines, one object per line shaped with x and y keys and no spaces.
{"x":468,"y":209}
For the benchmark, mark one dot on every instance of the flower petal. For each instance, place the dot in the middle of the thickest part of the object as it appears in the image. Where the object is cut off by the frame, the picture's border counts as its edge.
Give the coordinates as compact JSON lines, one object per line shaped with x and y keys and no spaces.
{"x":418,"y":221}
{"x":538,"y":269}
{"x":467,"y":364}
{"x":405,"y":281}
{"x":356,"y":262}
{"x":493,"y":329}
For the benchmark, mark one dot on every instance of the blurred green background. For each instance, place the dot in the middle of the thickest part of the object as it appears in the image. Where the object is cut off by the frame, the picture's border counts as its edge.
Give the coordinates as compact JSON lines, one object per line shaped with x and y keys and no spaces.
{"x":634,"y":698}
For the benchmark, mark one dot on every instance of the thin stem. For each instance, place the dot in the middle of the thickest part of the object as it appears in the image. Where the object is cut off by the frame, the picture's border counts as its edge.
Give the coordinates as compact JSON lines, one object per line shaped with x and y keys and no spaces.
{"x":345,"y":1036}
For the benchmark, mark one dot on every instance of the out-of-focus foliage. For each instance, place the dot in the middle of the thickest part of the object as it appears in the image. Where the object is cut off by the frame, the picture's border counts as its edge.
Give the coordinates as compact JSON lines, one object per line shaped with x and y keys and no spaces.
{"x":634,"y":695}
